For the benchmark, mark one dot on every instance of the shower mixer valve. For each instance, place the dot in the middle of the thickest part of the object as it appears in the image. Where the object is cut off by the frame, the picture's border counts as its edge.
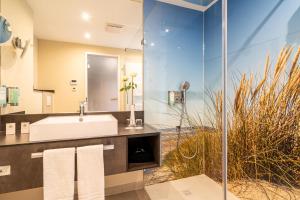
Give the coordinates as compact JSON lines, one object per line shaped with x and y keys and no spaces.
{"x":174,"y":97}
{"x":178,"y":97}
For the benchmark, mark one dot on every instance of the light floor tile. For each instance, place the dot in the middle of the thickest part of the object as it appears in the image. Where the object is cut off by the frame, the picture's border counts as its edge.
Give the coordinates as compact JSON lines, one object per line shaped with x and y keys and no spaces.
{"x":199,"y":187}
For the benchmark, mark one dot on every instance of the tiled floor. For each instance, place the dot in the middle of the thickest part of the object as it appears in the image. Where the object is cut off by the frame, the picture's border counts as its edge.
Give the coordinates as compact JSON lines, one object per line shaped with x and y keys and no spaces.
{"x":199,"y":187}
{"x":133,"y":195}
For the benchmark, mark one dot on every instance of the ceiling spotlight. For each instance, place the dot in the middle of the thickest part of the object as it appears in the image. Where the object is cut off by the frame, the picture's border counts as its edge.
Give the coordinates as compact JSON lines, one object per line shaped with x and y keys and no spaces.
{"x":87,"y":35}
{"x":167,"y":30}
{"x":152,"y":44}
{"x":85,"y":16}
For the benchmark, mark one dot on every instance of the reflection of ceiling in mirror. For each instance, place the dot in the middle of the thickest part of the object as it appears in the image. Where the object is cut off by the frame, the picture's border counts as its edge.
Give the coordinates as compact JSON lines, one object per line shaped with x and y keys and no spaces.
{"x":62,"y":20}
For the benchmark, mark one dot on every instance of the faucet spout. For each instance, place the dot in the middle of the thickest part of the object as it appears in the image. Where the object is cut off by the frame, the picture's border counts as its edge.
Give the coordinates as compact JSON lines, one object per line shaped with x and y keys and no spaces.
{"x":82,"y":110}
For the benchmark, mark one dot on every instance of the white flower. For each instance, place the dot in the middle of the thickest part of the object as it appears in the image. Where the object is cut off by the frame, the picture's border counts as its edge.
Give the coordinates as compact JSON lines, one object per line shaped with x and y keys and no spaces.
{"x":133,"y":74}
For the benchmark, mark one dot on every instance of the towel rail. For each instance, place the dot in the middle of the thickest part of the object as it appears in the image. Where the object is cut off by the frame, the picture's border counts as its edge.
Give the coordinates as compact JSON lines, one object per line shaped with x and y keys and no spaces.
{"x":40,"y":154}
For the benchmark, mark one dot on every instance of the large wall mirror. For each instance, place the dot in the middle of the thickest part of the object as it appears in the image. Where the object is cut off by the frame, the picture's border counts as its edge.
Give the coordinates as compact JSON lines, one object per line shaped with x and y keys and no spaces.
{"x":64,"y":52}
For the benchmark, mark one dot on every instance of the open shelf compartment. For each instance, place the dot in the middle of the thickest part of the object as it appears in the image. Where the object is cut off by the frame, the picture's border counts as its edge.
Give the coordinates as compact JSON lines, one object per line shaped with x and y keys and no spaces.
{"x":143,"y":152}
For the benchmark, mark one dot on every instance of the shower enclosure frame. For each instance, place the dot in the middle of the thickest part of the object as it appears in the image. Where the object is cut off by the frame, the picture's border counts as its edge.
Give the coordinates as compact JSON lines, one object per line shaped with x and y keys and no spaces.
{"x":224,"y":85}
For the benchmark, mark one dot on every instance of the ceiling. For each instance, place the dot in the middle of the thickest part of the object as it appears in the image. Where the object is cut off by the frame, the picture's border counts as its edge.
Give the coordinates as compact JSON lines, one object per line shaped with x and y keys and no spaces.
{"x":61,"y":20}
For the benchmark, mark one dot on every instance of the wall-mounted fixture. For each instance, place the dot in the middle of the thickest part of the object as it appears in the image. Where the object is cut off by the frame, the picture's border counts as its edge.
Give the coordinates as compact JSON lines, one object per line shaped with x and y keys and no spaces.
{"x":9,"y":96}
{"x":13,"y":96}
{"x":73,"y":84}
{"x":5,"y":30}
{"x":143,"y":42}
{"x":18,"y":44}
{"x":114,"y":28}
{"x":3,"y":96}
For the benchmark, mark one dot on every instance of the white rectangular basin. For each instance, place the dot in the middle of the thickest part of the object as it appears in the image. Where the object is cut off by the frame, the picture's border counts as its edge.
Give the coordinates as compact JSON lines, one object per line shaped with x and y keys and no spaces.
{"x":70,"y":127}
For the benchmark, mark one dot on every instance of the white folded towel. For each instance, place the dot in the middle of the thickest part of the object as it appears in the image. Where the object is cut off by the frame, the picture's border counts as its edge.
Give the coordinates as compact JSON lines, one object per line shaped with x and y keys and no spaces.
{"x":59,"y":173}
{"x":90,"y":172}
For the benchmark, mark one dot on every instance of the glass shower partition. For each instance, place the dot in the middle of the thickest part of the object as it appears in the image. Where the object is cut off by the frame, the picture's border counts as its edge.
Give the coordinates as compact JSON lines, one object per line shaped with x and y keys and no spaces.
{"x":243,"y":114}
{"x":263,"y":99}
{"x":183,"y":44}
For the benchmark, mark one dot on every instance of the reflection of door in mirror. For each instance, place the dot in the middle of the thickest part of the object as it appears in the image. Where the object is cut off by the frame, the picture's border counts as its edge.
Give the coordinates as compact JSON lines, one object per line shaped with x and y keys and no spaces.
{"x":102,"y":83}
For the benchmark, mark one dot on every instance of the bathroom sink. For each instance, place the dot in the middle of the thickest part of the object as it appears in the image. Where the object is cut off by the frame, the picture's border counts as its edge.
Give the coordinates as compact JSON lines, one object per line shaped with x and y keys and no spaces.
{"x":70,"y":127}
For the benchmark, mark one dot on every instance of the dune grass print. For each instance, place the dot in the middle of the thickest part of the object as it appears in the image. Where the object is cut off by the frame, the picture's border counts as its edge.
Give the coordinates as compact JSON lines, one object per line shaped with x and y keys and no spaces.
{"x":263,"y":130}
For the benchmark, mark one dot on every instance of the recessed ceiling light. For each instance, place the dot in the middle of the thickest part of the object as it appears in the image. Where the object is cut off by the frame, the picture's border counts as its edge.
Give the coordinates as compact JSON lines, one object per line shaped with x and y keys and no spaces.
{"x":87,"y":35}
{"x":152,"y":44}
{"x":85,"y":16}
{"x":167,"y":30}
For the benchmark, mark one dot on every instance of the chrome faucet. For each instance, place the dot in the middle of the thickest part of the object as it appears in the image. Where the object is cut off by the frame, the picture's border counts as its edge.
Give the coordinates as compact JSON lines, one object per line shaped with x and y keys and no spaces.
{"x":82,"y":110}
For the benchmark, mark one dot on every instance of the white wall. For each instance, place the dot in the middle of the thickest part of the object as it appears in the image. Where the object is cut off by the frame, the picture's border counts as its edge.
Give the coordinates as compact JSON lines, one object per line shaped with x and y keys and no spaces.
{"x":16,"y":71}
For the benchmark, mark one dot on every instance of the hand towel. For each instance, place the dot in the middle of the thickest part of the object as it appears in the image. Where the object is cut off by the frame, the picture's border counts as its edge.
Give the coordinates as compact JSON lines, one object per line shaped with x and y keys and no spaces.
{"x":90,"y":172}
{"x":59,"y":173}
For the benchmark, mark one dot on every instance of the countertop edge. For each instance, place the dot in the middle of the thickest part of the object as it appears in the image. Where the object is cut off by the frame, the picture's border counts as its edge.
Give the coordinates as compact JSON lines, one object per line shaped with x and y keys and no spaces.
{"x":23,"y":138}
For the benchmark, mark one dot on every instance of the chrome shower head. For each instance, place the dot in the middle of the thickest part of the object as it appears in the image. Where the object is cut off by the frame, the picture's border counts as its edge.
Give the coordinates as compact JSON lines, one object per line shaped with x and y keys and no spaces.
{"x":185,"y":86}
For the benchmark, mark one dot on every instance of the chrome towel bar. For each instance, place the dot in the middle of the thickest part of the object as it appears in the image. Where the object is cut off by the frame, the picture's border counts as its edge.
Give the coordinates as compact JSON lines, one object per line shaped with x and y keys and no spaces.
{"x":40,"y":154}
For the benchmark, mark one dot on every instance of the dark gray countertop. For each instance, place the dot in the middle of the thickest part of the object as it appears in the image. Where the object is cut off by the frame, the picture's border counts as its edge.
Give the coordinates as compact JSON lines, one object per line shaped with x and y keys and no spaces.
{"x":21,"y":139}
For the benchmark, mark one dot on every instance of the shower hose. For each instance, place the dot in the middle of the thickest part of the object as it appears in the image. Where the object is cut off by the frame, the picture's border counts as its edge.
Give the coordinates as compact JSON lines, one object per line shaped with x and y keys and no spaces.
{"x":184,"y":114}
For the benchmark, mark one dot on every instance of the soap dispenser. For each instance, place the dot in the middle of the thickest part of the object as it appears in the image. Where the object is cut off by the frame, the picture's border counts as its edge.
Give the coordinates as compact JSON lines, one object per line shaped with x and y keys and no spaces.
{"x":13,"y":95}
{"x":3,"y":96}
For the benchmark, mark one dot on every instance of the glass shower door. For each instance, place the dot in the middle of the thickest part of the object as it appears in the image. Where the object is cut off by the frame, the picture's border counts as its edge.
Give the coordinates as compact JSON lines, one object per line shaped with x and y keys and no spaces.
{"x":264,"y":99}
{"x":184,"y":44}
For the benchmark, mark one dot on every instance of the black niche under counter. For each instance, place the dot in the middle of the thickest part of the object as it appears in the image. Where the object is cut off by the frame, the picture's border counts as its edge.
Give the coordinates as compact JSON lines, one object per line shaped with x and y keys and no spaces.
{"x":143,"y":151}
{"x":27,"y":172}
